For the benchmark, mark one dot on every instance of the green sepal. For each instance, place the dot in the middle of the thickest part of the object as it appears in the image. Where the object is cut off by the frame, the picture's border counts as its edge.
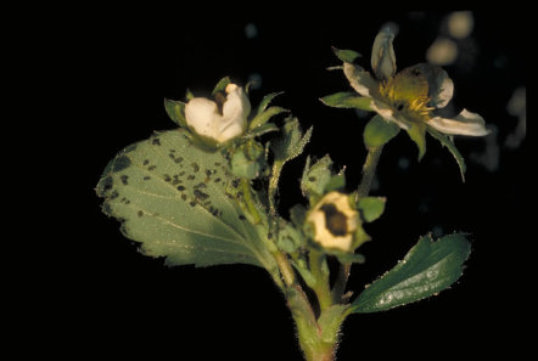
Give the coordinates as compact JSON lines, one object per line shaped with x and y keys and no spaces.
{"x":298,"y":215}
{"x":347,"y":100}
{"x":290,"y":239}
{"x":189,"y":95}
{"x":316,"y":176}
{"x":261,"y":130}
{"x":221,"y":85}
{"x":347,"y":56}
{"x":378,"y":132}
{"x":427,"y":269}
{"x":176,"y":111}
{"x":266,"y":101}
{"x":371,"y":208}
{"x":350,"y":258}
{"x":263,"y":117}
{"x":448,"y":142}
{"x":417,"y":133}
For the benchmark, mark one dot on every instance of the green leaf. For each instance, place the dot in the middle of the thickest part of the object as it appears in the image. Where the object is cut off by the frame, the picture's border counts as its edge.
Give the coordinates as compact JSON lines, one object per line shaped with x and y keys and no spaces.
{"x":347,"y":56}
{"x":371,"y":208}
{"x":292,"y":142}
{"x":263,"y":117}
{"x":176,"y":111}
{"x":176,"y":200}
{"x":447,"y":142}
{"x":378,"y":132}
{"x":221,"y":85}
{"x":417,"y":133}
{"x":347,"y":100}
{"x":289,"y":146}
{"x":266,"y":101}
{"x":427,"y":269}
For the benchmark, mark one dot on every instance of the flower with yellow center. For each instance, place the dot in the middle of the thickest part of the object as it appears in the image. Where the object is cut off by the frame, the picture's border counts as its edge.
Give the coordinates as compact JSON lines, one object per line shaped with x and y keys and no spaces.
{"x":409,"y":98}
{"x":334,"y":222}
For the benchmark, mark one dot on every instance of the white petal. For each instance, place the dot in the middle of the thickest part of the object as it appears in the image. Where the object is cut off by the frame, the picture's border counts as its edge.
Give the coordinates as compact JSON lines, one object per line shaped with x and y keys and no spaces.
{"x":440,"y":86}
{"x":388,"y":113}
{"x":383,"y":58}
{"x":235,"y":110}
{"x":466,"y":123}
{"x":202,"y":116}
{"x":360,"y":79}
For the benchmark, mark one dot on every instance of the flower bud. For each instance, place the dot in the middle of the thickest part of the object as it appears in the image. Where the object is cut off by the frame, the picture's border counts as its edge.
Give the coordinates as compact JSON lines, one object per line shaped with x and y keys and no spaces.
{"x":220,"y":120}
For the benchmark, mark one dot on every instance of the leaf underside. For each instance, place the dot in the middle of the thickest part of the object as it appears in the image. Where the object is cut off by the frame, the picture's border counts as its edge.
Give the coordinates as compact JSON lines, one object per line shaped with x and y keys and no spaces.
{"x":177,"y":201}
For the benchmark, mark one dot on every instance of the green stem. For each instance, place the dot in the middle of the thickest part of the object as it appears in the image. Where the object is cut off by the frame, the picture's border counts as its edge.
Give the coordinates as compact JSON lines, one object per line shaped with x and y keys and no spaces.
{"x":319,"y":269}
{"x":368,"y":173}
{"x":249,"y":202}
{"x":368,"y":170}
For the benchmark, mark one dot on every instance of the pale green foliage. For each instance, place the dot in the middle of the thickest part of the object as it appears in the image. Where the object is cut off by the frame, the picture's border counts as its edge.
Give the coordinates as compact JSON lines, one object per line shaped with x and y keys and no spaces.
{"x":178,"y":202}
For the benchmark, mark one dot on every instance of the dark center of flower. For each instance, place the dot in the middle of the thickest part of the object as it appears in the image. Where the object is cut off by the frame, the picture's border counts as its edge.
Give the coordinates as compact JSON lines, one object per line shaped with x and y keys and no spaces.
{"x":220,"y":98}
{"x":335,"y":221}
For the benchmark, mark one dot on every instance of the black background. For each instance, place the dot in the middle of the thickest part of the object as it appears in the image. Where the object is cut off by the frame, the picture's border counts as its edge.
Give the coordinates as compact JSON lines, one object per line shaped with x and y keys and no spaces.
{"x":126,"y":304}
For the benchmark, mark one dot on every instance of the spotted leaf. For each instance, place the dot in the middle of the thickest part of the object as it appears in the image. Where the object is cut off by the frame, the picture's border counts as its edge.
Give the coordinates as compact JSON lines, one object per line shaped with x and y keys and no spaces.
{"x":178,"y":202}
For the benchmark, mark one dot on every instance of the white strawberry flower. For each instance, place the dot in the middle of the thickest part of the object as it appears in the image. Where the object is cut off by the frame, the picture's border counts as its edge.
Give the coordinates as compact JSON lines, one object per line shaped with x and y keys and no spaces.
{"x":220,"y":120}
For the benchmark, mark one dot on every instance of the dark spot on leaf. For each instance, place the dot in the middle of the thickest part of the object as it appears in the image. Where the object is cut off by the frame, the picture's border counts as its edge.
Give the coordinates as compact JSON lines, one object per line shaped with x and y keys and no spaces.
{"x":146,"y":162}
{"x":107,"y":184}
{"x":195,"y":167}
{"x":184,"y":196}
{"x":200,"y":185}
{"x":242,"y":217}
{"x":191,"y":177}
{"x":147,"y":177}
{"x":201,"y":195}
{"x":208,"y":172}
{"x":217,"y":180}
{"x":172,"y":150}
{"x":178,"y":160}
{"x":121,"y":163}
{"x":217,"y":164}
{"x":400,"y":106}
{"x":167,"y":178}
{"x":180,"y":188}
{"x":192,"y":203}
{"x":235,"y":183}
{"x":156,"y":141}
{"x":114,"y":195}
{"x":312,"y":179}
{"x":106,"y":208}
{"x":335,"y":221}
{"x":150,"y":168}
{"x":124,"y":179}
{"x":182,"y":173}
{"x":139,"y":213}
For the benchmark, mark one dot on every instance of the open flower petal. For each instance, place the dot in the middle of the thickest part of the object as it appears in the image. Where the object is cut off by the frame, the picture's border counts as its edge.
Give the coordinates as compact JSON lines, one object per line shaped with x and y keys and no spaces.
{"x":440,"y":86}
{"x":383,"y":57}
{"x":201,"y":114}
{"x":466,"y":123}
{"x":334,"y":222}
{"x":360,"y":80}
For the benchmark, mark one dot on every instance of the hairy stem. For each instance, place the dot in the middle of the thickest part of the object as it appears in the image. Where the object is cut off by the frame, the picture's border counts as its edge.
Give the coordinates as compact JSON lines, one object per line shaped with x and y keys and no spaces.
{"x":368,"y":170}
{"x":368,"y":173}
